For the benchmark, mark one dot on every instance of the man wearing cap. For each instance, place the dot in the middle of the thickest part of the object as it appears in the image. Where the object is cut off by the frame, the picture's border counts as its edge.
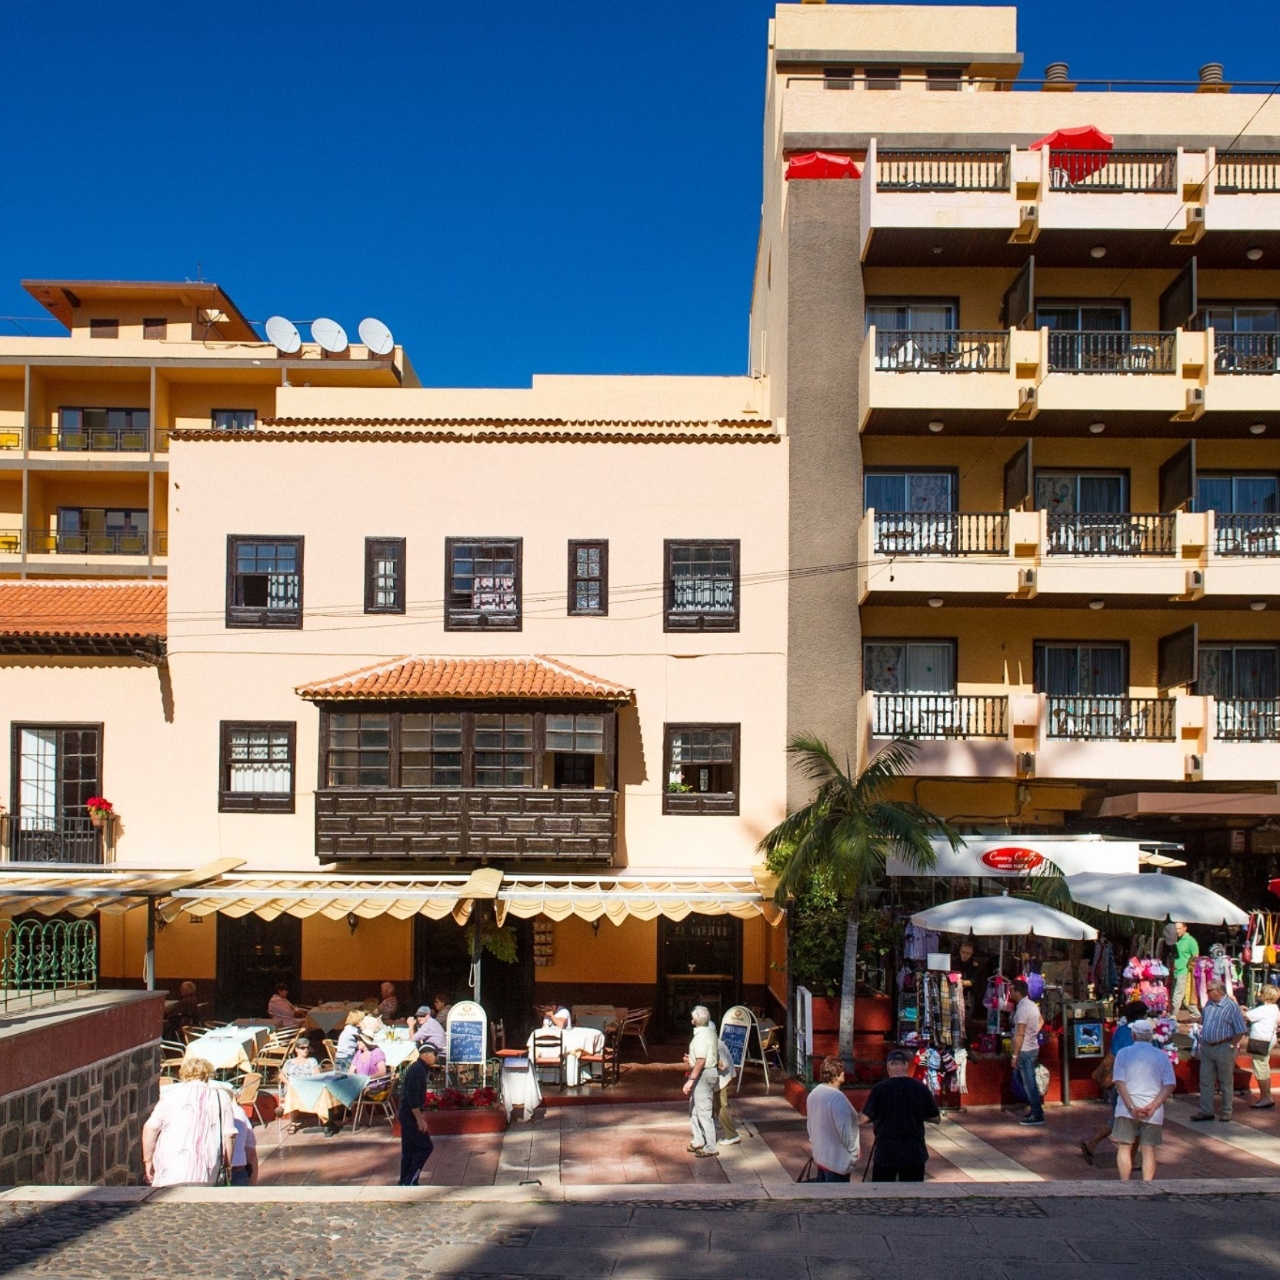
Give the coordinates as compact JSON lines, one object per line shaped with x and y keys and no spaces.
{"x":1143,"y":1077}
{"x":425,"y":1029}
{"x":415,"y":1142}
{"x":1222,"y":1029}
{"x":897,"y":1109}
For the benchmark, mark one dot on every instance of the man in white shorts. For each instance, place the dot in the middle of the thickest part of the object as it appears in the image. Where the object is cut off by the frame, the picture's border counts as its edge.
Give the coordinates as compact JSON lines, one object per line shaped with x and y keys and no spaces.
{"x":1143,"y":1077}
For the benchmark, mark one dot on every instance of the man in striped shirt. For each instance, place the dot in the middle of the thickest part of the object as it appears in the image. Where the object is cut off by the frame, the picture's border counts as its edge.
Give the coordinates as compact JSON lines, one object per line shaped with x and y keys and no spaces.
{"x":1222,"y":1027}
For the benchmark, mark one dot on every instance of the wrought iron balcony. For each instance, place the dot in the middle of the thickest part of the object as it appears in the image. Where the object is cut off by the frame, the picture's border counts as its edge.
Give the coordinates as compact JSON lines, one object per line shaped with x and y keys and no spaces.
{"x":1247,"y":172}
{"x":942,"y":171}
{"x":471,"y":823}
{"x":1246,"y":352}
{"x":1246,"y":534}
{"x":942,"y":350}
{"x":1111,"y":534}
{"x":935,"y":716}
{"x":1110,"y":351}
{"x":941,"y":533}
{"x":1248,"y":719}
{"x":62,"y":838}
{"x":47,"y":958}
{"x":1114,"y":172}
{"x":1108,"y":719}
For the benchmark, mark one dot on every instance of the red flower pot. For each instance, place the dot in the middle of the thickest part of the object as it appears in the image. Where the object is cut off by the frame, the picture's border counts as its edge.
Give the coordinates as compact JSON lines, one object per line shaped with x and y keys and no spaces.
{"x":468,"y":1120}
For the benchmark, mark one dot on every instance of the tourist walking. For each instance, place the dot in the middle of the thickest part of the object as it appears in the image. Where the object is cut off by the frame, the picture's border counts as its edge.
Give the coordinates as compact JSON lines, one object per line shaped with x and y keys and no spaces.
{"x":192,"y":1131}
{"x":702,"y":1083}
{"x":832,"y":1125}
{"x":1263,"y":1019}
{"x":724,"y":1079}
{"x":415,"y":1142}
{"x":1222,"y":1030}
{"x":1104,"y":1076}
{"x":897,"y":1110}
{"x":1186,"y":948}
{"x":1144,"y":1081}
{"x":1026,"y":1050}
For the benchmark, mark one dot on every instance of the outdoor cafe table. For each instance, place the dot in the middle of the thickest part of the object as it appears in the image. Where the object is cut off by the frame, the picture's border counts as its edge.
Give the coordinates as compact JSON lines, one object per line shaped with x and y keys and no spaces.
{"x":316,"y":1095}
{"x":329,"y":1016}
{"x":576,"y":1042}
{"x":518,"y":1087}
{"x":228,"y":1048}
{"x":397,"y":1049}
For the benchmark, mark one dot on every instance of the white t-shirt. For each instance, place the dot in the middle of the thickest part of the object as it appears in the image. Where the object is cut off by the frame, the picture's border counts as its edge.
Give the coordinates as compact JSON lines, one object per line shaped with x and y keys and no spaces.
{"x":1145,"y":1070}
{"x":1027,"y":1016}
{"x":1262,"y":1020}
{"x":833,"y":1129}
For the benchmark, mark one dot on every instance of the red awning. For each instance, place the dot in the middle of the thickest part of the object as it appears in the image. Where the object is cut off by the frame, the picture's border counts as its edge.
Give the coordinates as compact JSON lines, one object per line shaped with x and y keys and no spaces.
{"x":1088,"y":141}
{"x":821,"y":164}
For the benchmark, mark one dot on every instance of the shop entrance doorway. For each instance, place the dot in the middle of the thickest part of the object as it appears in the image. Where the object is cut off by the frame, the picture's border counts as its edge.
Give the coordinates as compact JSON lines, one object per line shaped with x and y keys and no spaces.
{"x":699,"y":962}
{"x":253,"y":955}
{"x":442,"y":962}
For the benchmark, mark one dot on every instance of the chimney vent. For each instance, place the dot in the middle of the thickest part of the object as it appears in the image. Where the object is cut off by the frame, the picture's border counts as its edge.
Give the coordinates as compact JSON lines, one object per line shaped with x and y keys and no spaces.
{"x":1056,"y":73}
{"x":1211,"y":73}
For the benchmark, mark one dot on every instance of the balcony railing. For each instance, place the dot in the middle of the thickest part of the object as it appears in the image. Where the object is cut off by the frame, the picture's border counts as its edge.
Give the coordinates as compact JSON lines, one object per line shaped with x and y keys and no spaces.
{"x":471,"y":823}
{"x":941,"y":533}
{"x":1109,"y":719}
{"x":47,"y":958}
{"x":942,"y":350}
{"x":1119,"y":534}
{"x":942,"y":171}
{"x":10,"y":542}
{"x":63,"y":838}
{"x":1110,"y":351}
{"x":1248,"y":719}
{"x":97,"y":440}
{"x":939,"y":716}
{"x":1247,"y":172}
{"x":10,"y":437}
{"x":1246,"y":535}
{"x":1114,"y":171}
{"x":1246,"y":352}
{"x":108,"y":542}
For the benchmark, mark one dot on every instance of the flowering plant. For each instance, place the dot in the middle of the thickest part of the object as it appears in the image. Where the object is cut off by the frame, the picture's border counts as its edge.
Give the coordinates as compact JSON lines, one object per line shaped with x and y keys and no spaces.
{"x":457,"y":1100}
{"x":99,"y":804}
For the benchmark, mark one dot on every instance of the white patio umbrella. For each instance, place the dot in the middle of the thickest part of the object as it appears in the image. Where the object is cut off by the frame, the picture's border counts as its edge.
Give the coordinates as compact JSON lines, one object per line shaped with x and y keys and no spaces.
{"x":1003,"y":917}
{"x":1154,"y":897}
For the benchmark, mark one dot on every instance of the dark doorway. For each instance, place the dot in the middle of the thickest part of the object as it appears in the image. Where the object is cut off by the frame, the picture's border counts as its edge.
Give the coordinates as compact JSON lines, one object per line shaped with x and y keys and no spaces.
{"x":253,"y":955}
{"x":442,"y":962}
{"x":699,"y":962}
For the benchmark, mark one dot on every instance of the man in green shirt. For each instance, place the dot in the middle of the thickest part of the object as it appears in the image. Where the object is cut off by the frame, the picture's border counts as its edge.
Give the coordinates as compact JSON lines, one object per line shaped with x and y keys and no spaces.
{"x":1186,"y":948}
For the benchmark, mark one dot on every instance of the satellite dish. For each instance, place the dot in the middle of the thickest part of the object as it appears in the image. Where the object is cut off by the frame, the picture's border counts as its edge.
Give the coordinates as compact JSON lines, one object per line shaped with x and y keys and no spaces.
{"x":283,"y":335}
{"x":330,"y":335}
{"x":376,"y":336}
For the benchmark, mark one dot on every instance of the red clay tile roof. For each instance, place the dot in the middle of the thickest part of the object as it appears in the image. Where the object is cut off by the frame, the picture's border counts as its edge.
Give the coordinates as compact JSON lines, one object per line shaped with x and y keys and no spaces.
{"x":82,"y":609}
{"x":414,"y":677}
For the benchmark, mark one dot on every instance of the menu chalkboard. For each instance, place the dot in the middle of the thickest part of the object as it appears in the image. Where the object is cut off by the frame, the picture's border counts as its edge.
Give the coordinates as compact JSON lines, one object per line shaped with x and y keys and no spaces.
{"x":735,"y":1040}
{"x":466,"y":1033}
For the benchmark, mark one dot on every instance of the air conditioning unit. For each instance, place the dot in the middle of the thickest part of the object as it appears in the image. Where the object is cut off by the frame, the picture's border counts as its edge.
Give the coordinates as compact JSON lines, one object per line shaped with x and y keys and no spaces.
{"x":1195,"y":768}
{"x":1195,"y":582}
{"x":1026,"y":579}
{"x":1025,"y":761}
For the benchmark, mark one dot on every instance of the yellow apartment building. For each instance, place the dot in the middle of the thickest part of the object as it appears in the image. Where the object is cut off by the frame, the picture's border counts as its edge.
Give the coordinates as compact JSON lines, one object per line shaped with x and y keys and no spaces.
{"x":1040,"y":383}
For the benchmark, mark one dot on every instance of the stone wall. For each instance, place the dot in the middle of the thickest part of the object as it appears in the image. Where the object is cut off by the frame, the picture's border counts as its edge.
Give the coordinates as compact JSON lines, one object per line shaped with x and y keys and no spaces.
{"x":84,"y":1127}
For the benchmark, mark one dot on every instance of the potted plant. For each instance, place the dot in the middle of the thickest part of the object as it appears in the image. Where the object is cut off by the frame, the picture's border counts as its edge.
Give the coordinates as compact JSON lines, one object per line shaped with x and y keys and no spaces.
{"x":465,"y":1111}
{"x":100,"y":809}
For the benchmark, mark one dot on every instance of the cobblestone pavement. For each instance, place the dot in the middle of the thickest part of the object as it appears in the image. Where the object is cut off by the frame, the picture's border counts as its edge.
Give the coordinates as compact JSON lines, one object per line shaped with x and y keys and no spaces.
{"x":1198,"y":1237}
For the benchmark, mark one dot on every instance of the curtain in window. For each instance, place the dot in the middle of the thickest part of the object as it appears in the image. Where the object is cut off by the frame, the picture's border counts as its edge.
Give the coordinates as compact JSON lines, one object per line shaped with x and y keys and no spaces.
{"x":259,"y":762}
{"x":1255,"y":673}
{"x":1213,"y":493}
{"x":928,"y":492}
{"x":1214,"y":678}
{"x":1060,"y":675}
{"x":1101,"y":494}
{"x":928,"y":668}
{"x":38,"y":779}
{"x":1056,"y":493}
{"x":1254,"y":495}
{"x":882,"y":668}
{"x":884,"y":492}
{"x":282,"y":591}
{"x":703,"y":595}
{"x":1103,"y":671}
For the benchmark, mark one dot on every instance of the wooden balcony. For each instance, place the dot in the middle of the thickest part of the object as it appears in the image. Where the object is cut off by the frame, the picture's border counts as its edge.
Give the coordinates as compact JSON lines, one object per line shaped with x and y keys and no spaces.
{"x":470,"y":823}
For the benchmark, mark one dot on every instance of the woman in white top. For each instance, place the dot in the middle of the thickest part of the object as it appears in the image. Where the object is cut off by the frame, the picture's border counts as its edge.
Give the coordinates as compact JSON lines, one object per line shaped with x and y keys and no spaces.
{"x":1263,"y":1019}
{"x":348,"y":1041}
{"x":191,"y":1132}
{"x":832,"y":1125}
{"x":556,"y":1017}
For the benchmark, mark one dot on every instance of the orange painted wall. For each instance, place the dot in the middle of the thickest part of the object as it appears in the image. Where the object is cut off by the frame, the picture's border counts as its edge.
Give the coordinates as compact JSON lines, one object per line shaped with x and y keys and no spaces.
{"x":776,"y":960}
{"x":753,"y":950}
{"x":380,"y":950}
{"x":183,"y":949}
{"x":618,"y":953}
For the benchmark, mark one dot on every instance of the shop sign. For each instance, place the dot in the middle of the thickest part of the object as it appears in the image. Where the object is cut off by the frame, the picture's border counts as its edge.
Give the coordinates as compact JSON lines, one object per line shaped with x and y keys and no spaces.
{"x":1011,"y":858}
{"x":1020,"y":855}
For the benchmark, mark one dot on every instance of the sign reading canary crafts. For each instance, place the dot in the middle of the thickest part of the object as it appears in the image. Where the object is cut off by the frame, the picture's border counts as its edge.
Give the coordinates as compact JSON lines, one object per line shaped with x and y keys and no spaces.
{"x":1026,"y":855}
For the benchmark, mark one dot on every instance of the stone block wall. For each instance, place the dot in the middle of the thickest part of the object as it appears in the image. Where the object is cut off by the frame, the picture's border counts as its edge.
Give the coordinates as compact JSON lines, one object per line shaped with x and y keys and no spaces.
{"x":84,"y":1127}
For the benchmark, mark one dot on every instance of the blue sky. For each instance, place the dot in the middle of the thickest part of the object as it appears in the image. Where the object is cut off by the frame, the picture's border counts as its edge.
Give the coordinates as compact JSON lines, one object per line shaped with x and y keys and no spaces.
{"x":514,"y":186}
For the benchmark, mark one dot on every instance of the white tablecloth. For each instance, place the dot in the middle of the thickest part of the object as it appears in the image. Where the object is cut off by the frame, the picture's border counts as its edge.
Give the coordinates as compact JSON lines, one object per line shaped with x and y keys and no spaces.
{"x":520,"y":1089}
{"x":577,"y":1041}
{"x":331,"y":1015}
{"x":229,"y":1047}
{"x":396,"y":1051}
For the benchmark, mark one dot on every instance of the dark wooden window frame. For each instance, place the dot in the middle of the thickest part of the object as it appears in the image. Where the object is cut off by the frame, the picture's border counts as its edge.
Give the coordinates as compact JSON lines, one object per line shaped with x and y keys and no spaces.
{"x":1039,"y":643}
{"x":255,"y":801}
{"x":953,"y":641}
{"x":469,"y":708}
{"x":371,"y":554}
{"x":251,"y":616}
{"x":15,"y":739}
{"x":155,"y":328}
{"x":603,"y":610}
{"x":458,"y":618}
{"x":104,"y":328}
{"x":687,"y":620}
{"x":708,"y":804}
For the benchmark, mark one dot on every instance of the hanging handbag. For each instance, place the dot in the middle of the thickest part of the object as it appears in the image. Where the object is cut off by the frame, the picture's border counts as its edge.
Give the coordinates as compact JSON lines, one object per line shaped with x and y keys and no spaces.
{"x":1259,"y":1048}
{"x":1269,"y":949}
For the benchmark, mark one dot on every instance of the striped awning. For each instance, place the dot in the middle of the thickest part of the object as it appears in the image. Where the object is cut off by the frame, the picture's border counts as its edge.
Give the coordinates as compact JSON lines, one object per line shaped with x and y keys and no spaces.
{"x":53,"y":891}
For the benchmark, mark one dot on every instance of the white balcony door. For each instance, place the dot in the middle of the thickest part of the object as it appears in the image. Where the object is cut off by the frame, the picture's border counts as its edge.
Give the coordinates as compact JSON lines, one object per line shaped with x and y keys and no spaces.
{"x":38,"y":779}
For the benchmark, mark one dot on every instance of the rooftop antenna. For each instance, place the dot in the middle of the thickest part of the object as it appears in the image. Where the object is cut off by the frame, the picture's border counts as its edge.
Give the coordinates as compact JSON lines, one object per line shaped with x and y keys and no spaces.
{"x":376,"y":336}
{"x":329,"y":335}
{"x":284,"y":335}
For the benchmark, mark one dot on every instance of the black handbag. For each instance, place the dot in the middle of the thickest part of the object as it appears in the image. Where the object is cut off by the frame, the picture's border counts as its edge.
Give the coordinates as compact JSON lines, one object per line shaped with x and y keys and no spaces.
{"x":1259,"y":1048}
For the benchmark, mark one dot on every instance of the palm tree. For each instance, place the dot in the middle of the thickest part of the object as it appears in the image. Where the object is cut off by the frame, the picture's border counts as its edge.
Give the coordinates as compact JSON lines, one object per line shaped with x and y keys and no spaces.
{"x":848,"y":831}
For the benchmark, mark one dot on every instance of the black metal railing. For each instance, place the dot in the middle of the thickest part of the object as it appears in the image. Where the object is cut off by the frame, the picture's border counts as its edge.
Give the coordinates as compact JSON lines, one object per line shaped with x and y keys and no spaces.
{"x":1248,"y":719}
{"x":1246,"y":535}
{"x":63,"y":838}
{"x":942,"y":350}
{"x":1120,"y":534}
{"x":1110,"y":351}
{"x":942,"y":171}
{"x":1112,"y":719}
{"x":1246,"y":352}
{"x":89,"y":440}
{"x":939,"y":716}
{"x":941,"y":533}
{"x":106,"y":542}
{"x":1247,"y":172}
{"x":47,"y":958}
{"x":1113,"y":171}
